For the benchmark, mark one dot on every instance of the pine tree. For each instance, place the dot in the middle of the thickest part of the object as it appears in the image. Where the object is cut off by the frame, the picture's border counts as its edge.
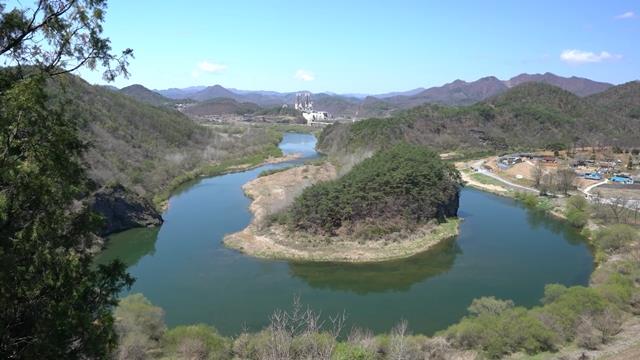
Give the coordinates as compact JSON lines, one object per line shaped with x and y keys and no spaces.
{"x":54,"y":304}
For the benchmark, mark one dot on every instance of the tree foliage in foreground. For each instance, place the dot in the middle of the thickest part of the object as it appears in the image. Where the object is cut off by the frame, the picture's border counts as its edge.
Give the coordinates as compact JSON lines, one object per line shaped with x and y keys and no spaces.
{"x":404,"y":185}
{"x":53,"y":303}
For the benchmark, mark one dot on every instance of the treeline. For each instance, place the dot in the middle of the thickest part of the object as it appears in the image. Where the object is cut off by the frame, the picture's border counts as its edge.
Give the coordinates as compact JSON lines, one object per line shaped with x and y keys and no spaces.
{"x":395,"y":189}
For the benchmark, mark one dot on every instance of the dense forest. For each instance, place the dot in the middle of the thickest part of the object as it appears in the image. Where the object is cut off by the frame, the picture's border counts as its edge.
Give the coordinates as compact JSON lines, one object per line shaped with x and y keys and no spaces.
{"x":395,"y":189}
{"x":531,"y":115}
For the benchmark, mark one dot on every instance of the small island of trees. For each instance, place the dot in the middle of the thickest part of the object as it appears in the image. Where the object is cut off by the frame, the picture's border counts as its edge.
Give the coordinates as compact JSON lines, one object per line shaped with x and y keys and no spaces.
{"x":399,"y":188}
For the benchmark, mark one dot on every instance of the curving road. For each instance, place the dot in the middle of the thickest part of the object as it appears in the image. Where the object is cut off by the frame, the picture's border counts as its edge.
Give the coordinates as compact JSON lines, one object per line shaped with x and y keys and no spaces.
{"x":477,"y":166}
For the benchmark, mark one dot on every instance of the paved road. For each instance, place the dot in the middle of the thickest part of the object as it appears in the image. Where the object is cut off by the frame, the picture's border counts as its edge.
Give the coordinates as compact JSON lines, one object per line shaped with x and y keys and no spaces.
{"x":477,"y":166}
{"x":588,"y":189}
{"x":631,"y":204}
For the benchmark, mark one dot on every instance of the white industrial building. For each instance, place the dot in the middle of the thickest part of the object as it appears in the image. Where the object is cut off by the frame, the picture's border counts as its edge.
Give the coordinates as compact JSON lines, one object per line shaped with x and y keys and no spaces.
{"x":305,"y":105}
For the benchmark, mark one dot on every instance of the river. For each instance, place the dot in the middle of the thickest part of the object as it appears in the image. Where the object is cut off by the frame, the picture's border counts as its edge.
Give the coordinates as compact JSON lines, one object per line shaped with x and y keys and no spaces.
{"x":502,"y":250}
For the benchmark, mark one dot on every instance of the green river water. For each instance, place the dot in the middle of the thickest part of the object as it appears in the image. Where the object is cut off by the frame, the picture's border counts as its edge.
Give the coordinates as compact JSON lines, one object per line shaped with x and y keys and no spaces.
{"x":503,"y":250}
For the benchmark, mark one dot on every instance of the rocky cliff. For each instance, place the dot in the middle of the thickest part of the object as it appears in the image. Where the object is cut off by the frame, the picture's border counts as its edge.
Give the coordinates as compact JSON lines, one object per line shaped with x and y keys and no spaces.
{"x":122,"y":209}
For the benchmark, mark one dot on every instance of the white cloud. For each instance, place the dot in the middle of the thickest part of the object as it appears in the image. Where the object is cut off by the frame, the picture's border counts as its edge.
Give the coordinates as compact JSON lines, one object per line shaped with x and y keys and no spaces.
{"x":211,"y":67}
{"x":626,"y":15}
{"x":574,"y":56}
{"x":304,"y":75}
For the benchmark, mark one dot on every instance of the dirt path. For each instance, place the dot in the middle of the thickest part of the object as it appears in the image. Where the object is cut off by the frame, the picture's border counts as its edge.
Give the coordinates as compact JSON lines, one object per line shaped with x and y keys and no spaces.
{"x":469,"y":180}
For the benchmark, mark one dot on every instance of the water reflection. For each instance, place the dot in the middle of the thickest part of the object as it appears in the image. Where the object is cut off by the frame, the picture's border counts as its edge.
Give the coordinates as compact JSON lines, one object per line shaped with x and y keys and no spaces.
{"x":129,"y":246}
{"x":539,"y":219}
{"x":396,"y":275}
{"x":502,"y":250}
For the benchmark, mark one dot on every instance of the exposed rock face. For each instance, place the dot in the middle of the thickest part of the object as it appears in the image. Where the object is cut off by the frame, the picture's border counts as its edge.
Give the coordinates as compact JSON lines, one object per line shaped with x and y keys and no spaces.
{"x":122,"y":210}
{"x":450,"y":208}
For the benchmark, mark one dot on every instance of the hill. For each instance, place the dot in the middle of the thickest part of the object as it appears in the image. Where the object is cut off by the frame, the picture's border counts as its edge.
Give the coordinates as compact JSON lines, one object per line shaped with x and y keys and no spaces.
{"x":180,"y":94}
{"x":576,"y":85}
{"x":145,"y":95}
{"x":373,"y":106}
{"x":456,"y":93}
{"x":219,"y":106}
{"x":394,"y":190}
{"x":530,"y":115}
{"x":287,"y":111}
{"x":212,"y":92}
{"x":461,"y":92}
{"x":399,"y":93}
{"x":144,"y":147}
{"x":623,"y":100}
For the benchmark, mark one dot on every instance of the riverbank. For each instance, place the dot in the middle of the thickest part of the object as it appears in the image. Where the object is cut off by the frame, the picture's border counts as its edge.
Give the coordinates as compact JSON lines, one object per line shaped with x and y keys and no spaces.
{"x":270,"y":156}
{"x":624,"y":343}
{"x":274,"y":192}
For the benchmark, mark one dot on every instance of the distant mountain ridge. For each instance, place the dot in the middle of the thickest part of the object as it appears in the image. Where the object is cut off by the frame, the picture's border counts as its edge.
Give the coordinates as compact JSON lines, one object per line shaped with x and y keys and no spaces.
{"x":179,"y":94}
{"x":461,"y":92}
{"x":145,"y":95}
{"x":458,"y":92}
{"x":578,"y":86}
{"x":220,"y":106}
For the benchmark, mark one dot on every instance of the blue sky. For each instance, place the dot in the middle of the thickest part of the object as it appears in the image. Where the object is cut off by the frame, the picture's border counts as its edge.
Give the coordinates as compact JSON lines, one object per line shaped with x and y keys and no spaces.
{"x":370,"y":46}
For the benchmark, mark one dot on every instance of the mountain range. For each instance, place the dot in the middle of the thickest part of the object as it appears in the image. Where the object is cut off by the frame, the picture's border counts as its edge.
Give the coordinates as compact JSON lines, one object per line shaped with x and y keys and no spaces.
{"x":458,"y":92}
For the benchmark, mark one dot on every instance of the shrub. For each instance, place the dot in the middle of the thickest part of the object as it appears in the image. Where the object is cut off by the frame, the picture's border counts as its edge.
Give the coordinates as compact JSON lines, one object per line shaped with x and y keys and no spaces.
{"x":489,"y":306}
{"x":512,"y":331}
{"x":588,"y":336}
{"x":608,"y":323}
{"x":618,"y":289}
{"x":544,"y":205}
{"x":313,"y":345}
{"x":529,"y":200}
{"x":196,"y":342}
{"x":134,"y":346}
{"x":347,"y":351}
{"x":553,"y":292}
{"x":436,"y":349}
{"x":564,"y":307}
{"x":577,"y":211}
{"x":577,"y":218}
{"x":252,"y":346}
{"x":596,"y":329}
{"x":136,"y":315}
{"x":615,"y":237}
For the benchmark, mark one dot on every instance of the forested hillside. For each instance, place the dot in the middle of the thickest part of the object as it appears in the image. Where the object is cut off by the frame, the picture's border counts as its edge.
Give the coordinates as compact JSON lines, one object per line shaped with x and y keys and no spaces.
{"x":623,"y":100}
{"x":531,"y":115}
{"x":394,"y":190}
{"x":219,"y":106}
{"x":144,"y":147}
